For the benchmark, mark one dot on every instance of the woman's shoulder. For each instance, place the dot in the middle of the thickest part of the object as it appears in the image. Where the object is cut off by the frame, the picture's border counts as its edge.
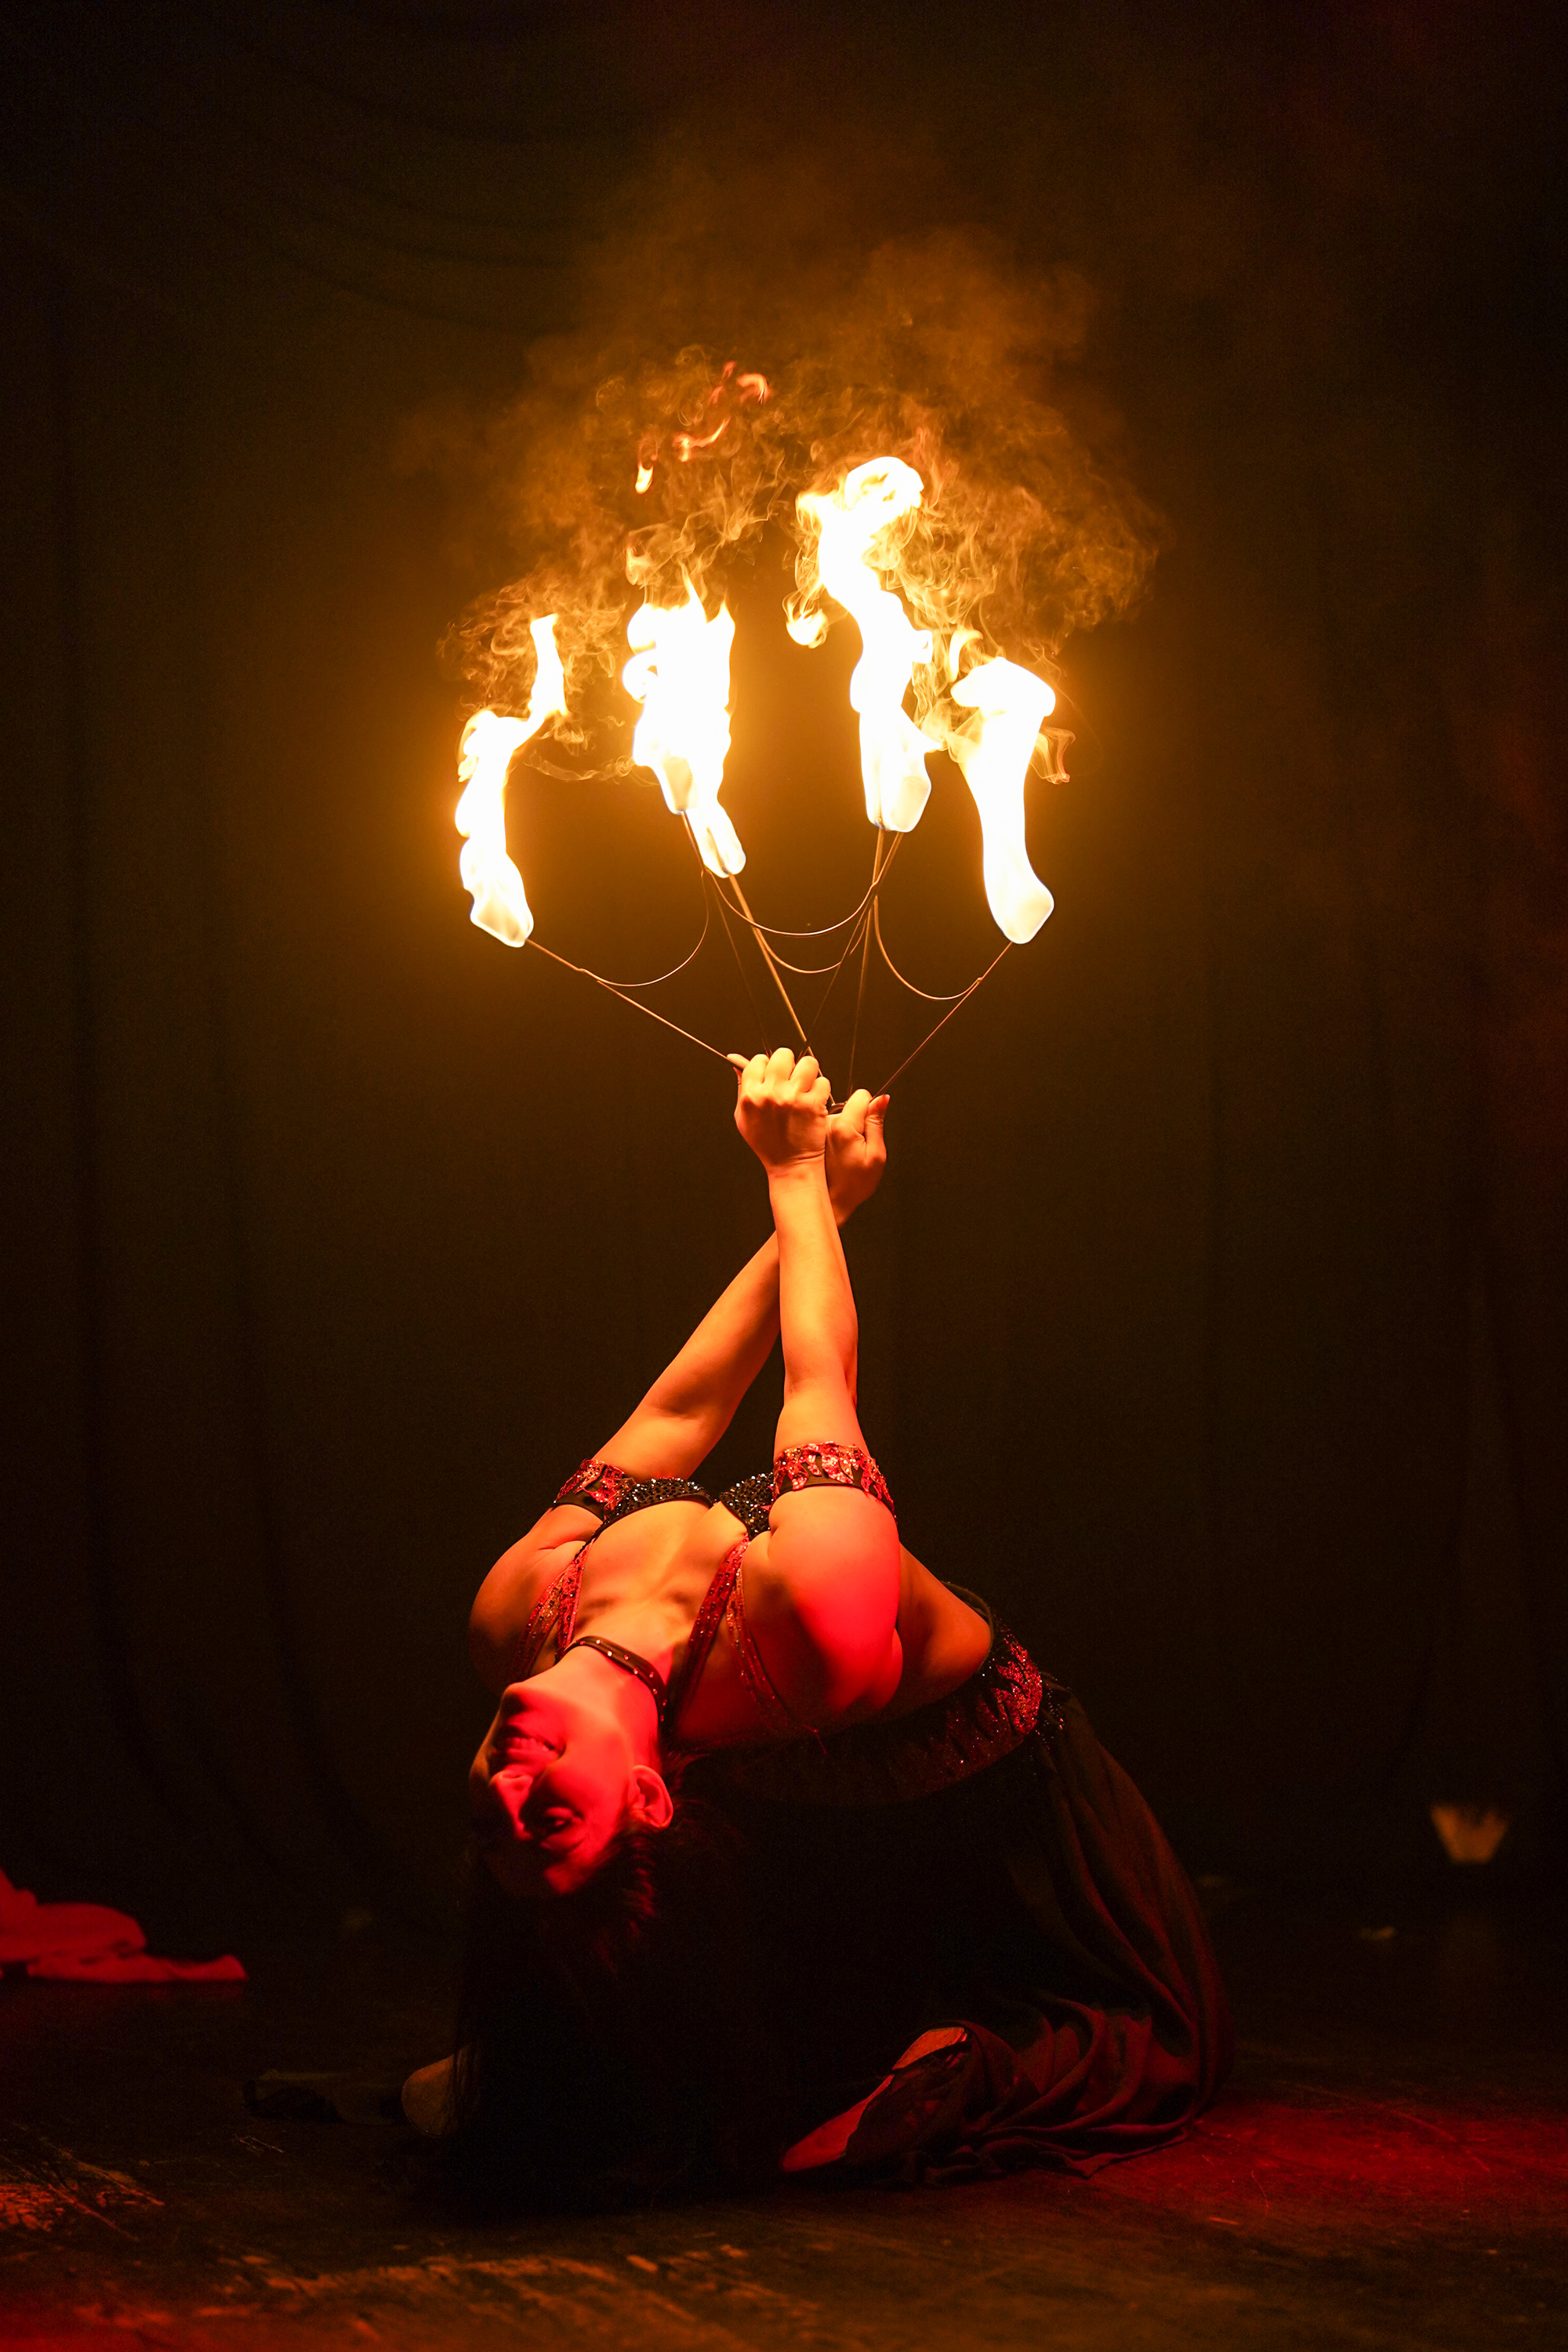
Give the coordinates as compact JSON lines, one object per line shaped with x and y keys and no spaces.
{"x":520,"y":1579}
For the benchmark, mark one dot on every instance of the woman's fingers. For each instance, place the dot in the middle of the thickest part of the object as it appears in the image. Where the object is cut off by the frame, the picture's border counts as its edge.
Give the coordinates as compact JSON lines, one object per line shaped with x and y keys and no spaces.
{"x":785,"y":1079}
{"x":751,"y":1076}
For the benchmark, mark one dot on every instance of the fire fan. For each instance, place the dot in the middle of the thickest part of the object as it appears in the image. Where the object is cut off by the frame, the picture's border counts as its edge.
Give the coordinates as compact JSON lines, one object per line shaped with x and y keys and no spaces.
{"x":941,"y":557}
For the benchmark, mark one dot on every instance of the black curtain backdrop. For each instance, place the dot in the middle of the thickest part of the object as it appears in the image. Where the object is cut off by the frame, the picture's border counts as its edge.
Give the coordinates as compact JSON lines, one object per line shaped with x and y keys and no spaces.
{"x":1215,"y":1310}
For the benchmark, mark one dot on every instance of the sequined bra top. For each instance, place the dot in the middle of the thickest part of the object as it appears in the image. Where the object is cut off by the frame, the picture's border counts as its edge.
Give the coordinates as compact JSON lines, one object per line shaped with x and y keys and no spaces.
{"x":612,"y":1493}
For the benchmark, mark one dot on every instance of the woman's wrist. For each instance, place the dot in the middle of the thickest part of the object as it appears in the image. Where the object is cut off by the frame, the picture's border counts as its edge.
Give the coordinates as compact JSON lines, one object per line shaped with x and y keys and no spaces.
{"x":805,"y":1173}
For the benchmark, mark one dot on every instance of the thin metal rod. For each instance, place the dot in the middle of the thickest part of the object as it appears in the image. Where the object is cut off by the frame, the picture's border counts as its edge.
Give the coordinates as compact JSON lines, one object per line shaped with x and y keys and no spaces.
{"x":947,"y":1016}
{"x":772,"y":967}
{"x":632,"y":1001}
{"x":865,"y":957}
{"x":849,"y":946}
{"x":704,"y":880}
{"x":735,"y":952}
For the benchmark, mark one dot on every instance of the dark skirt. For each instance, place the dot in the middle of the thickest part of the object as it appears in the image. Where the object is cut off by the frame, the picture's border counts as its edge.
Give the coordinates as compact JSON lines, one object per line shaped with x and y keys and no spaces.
{"x":985,"y":1864}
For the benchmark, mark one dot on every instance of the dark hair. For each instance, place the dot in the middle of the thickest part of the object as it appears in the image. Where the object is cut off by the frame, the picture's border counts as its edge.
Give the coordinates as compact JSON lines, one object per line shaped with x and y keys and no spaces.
{"x":607,"y":2039}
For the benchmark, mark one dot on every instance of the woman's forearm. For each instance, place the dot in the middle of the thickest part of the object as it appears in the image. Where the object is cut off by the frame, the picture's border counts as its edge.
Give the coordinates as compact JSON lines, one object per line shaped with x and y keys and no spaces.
{"x":694,"y":1399}
{"x":816,"y":1305}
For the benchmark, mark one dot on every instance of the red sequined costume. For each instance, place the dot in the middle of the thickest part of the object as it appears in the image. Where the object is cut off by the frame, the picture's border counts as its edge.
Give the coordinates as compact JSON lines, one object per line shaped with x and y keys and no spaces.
{"x":615,"y":1494}
{"x":980,"y":1862}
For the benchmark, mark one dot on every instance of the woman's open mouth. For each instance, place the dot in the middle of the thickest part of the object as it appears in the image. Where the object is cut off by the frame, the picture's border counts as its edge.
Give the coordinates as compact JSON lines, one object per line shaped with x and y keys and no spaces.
{"x":515,"y":1743}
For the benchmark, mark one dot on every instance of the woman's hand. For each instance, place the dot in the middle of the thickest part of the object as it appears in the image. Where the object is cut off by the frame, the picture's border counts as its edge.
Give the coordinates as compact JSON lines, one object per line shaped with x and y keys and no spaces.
{"x":856,"y":1153}
{"x":780,"y":1108}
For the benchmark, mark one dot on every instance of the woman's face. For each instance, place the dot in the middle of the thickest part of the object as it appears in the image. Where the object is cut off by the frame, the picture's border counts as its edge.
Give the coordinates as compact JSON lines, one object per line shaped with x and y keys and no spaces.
{"x":553,"y":1786}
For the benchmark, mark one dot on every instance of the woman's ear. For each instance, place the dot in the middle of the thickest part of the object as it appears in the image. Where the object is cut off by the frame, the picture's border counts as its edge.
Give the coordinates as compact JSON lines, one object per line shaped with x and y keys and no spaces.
{"x":648,"y":1801}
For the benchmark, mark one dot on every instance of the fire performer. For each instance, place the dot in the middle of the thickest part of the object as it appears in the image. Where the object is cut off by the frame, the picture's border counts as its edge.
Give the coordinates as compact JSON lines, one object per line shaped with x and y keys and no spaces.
{"x":790,"y":1856}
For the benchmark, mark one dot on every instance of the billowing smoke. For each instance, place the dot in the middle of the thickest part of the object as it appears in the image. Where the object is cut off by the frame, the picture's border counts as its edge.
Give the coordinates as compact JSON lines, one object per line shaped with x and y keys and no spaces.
{"x":621,"y":475}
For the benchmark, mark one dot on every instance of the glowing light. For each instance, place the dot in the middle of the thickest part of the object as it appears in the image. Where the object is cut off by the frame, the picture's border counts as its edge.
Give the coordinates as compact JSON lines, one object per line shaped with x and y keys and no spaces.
{"x":686,"y":444}
{"x":1011,"y":705}
{"x":501,"y":903}
{"x":1470,"y":1833}
{"x":680,"y":672}
{"x":893,"y":751}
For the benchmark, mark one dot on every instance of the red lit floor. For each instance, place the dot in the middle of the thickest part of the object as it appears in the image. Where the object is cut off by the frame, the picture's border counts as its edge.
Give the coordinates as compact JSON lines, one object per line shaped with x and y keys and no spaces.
{"x":1389,"y":2168}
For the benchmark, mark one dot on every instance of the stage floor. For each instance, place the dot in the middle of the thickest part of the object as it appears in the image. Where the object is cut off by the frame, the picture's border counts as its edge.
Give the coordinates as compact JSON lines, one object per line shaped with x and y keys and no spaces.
{"x":1388,"y":2168}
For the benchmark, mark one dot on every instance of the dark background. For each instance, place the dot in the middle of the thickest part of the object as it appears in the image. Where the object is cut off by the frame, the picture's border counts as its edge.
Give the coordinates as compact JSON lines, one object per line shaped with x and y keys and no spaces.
{"x":1215,"y":1312}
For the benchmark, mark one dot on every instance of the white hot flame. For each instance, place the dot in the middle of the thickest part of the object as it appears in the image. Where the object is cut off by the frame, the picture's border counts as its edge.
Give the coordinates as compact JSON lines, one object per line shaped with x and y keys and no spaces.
{"x":500,"y":904}
{"x":680,"y":672}
{"x":893,"y":749}
{"x":1012,"y":704}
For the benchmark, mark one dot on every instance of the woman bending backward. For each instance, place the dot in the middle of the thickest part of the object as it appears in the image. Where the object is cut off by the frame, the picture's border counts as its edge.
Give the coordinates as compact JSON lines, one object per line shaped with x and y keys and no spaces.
{"x":790,"y":1856}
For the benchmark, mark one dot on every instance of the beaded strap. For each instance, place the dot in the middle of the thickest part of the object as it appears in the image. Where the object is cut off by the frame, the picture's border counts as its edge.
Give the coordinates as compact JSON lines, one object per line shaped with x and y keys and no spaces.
{"x":701,"y":1640}
{"x":830,"y":1465}
{"x":554,"y":1613}
{"x":779,"y":1720}
{"x":615,"y":1494}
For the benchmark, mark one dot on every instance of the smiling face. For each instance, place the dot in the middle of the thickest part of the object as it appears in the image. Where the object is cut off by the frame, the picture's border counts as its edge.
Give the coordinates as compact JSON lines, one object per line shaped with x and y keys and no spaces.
{"x":555,"y":1781}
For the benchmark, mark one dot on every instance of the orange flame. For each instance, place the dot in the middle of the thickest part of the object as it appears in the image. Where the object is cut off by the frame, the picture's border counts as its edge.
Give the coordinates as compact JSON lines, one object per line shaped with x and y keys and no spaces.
{"x":893,"y":751}
{"x":680,"y":672}
{"x":994,"y":751}
{"x":501,"y":903}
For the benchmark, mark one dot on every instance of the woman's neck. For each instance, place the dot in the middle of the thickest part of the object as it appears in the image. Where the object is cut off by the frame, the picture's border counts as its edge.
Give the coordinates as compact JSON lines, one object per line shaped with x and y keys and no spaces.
{"x":589,"y":1676}
{"x":651,"y":1630}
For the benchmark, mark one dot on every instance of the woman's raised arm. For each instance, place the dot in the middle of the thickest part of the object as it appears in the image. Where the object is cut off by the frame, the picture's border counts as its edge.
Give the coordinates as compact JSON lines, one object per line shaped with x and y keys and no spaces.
{"x":827,"y":1606}
{"x":692,"y":1403}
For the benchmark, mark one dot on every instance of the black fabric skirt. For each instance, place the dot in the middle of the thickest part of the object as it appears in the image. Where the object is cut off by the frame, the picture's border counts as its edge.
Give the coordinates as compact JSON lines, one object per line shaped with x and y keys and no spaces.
{"x":984,"y":1864}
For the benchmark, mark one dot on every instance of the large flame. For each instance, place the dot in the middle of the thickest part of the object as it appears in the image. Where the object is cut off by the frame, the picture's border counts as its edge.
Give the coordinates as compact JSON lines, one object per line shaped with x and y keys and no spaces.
{"x":893,"y":751}
{"x":1012,"y":704}
{"x":680,"y":672}
{"x":501,"y":903}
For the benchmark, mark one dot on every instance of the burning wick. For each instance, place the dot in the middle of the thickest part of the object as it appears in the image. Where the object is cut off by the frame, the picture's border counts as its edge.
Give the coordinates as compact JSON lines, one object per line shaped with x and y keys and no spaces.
{"x":680,"y":672}
{"x":893,"y":751}
{"x":1012,"y":705}
{"x":501,"y":903}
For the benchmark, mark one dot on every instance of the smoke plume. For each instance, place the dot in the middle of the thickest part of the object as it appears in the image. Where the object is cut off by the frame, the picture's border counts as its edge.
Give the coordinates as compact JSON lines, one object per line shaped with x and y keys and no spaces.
{"x":621,"y":472}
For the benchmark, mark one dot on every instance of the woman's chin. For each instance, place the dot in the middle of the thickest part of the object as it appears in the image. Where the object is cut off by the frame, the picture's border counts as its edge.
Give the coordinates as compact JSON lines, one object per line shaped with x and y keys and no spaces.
{"x":565,"y":1874}
{"x":529,"y":1873}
